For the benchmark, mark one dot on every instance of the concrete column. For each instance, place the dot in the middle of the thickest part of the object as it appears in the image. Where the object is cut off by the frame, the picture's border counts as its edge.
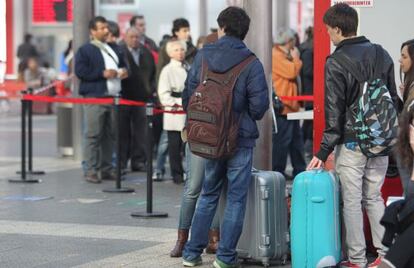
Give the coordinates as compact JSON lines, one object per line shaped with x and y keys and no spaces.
{"x":202,"y":7}
{"x":20,"y":27}
{"x":280,"y":15}
{"x":259,"y":40}
{"x":83,"y":12}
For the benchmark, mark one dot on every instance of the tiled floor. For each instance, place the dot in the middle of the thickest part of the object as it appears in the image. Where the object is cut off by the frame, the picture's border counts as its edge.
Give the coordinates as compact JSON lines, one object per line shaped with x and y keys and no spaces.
{"x":74,"y":223}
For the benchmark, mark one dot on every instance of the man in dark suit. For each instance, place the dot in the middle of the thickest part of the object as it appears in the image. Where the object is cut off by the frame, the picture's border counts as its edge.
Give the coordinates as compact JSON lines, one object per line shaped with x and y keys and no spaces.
{"x":139,"y":86}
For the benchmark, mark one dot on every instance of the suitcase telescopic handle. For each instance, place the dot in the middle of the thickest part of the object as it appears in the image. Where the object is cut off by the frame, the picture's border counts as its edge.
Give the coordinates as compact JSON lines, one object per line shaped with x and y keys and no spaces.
{"x":264,"y":208}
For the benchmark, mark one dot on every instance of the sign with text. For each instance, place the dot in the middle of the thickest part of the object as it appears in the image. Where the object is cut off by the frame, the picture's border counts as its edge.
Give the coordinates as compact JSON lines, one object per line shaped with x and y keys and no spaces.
{"x":52,"y":11}
{"x":355,"y":3}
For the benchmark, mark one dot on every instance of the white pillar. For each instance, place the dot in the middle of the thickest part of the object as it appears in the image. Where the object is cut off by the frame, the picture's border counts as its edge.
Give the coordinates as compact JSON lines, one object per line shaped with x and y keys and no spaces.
{"x":202,"y":17}
{"x":20,"y":26}
{"x":83,"y":12}
{"x":280,"y":15}
{"x":3,"y":48}
{"x":259,"y":40}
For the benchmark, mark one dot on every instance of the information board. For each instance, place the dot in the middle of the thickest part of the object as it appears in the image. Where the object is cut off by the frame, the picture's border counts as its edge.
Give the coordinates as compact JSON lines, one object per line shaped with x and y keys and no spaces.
{"x":52,"y":11}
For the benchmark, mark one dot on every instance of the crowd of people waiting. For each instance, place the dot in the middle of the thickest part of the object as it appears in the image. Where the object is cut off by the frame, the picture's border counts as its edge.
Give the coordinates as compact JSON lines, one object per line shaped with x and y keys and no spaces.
{"x":167,"y":75}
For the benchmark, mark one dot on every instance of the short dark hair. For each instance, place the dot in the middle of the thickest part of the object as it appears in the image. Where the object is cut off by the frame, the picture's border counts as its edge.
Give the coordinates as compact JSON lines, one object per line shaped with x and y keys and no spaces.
{"x":28,"y":37}
{"x":94,"y":21}
{"x":344,"y":17}
{"x":113,"y":28}
{"x":134,"y":19}
{"x":234,"y":21}
{"x":178,"y":24}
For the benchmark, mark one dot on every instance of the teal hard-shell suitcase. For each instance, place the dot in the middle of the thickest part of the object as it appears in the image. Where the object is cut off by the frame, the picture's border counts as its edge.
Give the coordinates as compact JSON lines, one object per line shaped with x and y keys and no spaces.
{"x":315,"y":220}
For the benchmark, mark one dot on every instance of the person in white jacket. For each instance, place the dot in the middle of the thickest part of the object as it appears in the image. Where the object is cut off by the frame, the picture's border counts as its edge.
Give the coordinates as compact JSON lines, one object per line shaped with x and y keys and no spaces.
{"x":170,"y":87}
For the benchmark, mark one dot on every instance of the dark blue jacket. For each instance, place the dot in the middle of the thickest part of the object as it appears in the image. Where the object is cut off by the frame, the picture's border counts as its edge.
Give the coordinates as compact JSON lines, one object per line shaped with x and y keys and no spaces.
{"x":250,"y":95}
{"x":89,"y":67}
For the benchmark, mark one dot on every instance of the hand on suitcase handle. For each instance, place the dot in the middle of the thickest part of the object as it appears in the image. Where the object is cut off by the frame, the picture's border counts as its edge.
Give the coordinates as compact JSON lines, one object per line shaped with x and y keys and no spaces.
{"x":315,"y":163}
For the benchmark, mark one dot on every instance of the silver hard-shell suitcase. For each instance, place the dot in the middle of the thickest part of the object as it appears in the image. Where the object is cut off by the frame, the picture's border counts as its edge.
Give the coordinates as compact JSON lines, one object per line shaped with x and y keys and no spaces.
{"x":265,"y":233}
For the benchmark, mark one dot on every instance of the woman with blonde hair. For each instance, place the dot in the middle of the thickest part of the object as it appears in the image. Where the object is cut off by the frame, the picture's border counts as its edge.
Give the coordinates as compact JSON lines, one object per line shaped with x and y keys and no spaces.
{"x":170,"y":88}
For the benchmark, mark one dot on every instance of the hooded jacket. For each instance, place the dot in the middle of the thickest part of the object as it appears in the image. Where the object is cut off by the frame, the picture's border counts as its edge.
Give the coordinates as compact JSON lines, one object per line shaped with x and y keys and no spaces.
{"x":250,"y":94}
{"x":342,"y":90}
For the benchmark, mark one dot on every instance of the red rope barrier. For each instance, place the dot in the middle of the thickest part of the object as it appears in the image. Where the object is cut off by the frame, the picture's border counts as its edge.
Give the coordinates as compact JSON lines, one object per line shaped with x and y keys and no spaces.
{"x":296,"y":98}
{"x":97,"y":101}
{"x":69,"y":100}
{"x":103,"y":101}
{"x":52,"y":85}
{"x":132,"y":103}
{"x":9,"y":98}
{"x":157,"y":110}
{"x":161,"y":111}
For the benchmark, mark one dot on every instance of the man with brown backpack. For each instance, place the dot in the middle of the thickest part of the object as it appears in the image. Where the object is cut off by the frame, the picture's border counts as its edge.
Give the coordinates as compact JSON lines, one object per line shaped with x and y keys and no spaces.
{"x":225,"y":94}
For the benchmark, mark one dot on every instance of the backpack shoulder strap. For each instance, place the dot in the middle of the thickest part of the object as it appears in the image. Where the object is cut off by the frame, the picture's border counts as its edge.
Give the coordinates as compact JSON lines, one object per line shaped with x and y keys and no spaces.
{"x":349,"y":66}
{"x":238,"y":69}
{"x":379,"y":61}
{"x":204,"y":70}
{"x":229,"y":78}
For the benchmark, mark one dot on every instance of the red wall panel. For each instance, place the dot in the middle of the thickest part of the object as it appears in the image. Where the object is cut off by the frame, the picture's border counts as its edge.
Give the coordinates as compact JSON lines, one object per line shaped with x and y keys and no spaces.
{"x":322,"y":49}
{"x":9,"y":37}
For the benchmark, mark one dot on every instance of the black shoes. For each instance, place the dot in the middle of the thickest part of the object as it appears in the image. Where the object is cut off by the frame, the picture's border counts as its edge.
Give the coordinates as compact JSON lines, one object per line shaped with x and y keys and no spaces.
{"x":138,"y":167}
{"x":178,"y":179}
{"x":108,"y":177}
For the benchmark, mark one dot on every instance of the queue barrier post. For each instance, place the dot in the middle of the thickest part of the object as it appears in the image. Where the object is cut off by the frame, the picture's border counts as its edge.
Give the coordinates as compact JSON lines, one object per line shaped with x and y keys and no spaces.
{"x":24,"y":114}
{"x":118,"y":188}
{"x":149,"y":213}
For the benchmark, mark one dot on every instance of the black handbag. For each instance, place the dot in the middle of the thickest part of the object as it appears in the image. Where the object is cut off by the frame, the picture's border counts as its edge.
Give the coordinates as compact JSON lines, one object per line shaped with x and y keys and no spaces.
{"x":277,"y":104}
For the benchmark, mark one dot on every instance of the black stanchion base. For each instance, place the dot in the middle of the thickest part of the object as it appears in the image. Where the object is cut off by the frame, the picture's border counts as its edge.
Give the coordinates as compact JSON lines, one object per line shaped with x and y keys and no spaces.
{"x":149,"y":215}
{"x":118,"y":190}
{"x":32,"y":172}
{"x":24,"y":181}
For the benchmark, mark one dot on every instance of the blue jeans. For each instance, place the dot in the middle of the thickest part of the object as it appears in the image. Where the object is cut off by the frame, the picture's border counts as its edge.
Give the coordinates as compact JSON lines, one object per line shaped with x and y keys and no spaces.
{"x":195,"y":167}
{"x":162,"y":152}
{"x":288,"y":140}
{"x":238,"y":170}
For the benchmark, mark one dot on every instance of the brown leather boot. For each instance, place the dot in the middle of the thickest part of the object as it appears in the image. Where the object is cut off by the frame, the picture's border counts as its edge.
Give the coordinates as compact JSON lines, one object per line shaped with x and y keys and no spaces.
{"x":177,"y":251}
{"x":213,"y":240}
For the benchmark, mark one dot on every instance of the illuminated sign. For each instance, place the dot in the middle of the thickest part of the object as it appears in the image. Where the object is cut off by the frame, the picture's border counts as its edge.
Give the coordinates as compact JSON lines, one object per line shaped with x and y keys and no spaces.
{"x":51,"y":11}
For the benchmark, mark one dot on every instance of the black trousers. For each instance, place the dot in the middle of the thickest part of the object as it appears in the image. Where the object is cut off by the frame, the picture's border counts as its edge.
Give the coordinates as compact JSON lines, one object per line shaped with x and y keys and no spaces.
{"x":175,"y":145}
{"x":133,"y":135}
{"x":401,"y":253}
{"x":288,"y":140}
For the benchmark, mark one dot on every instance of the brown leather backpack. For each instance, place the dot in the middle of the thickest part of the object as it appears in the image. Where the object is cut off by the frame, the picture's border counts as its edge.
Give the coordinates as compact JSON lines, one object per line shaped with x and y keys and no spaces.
{"x":212,"y":127}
